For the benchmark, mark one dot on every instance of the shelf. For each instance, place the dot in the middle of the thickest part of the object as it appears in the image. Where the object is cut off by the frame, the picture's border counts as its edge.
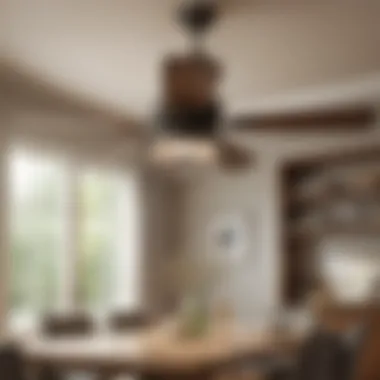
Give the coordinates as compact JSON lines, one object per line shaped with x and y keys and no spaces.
{"x":323,"y":198}
{"x":355,"y":229}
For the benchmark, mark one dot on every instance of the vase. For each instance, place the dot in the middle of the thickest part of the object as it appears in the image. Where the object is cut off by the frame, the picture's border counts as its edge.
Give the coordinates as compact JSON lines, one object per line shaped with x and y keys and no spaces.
{"x":194,"y":318}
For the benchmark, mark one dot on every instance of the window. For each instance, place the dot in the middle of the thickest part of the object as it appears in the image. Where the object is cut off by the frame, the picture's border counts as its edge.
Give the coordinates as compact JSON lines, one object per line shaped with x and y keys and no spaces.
{"x":108,"y":222}
{"x":36,"y":233}
{"x":99,"y":234}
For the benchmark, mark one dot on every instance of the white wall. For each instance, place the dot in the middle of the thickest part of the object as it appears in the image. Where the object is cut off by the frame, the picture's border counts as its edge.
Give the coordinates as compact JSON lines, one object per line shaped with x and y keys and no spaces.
{"x":250,"y":195}
{"x":163,"y":230}
{"x":255,"y":194}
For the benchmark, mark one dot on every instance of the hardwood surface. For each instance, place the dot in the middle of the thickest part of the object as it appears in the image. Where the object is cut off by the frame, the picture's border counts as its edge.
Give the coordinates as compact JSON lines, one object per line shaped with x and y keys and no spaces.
{"x":157,"y":351}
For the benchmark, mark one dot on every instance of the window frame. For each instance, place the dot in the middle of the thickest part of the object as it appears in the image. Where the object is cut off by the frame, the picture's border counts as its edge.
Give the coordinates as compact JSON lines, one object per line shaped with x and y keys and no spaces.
{"x":73,"y":165}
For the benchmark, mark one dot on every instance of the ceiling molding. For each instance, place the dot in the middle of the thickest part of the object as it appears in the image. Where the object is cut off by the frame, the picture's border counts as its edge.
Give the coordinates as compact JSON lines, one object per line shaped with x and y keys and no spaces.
{"x":352,"y":92}
{"x":21,"y":88}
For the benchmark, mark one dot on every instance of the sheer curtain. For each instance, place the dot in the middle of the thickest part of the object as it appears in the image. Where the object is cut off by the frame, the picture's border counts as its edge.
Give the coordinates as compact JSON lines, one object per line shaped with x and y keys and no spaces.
{"x":36,"y":226}
{"x":74,"y":233}
{"x":108,"y":239}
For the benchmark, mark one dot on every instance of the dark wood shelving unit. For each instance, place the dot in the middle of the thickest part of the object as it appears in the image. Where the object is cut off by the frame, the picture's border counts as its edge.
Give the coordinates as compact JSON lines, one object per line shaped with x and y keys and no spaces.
{"x":326,"y":195}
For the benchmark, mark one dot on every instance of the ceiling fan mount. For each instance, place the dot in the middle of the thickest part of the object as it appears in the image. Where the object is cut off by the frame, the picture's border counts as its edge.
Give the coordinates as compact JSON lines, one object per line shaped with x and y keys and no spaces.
{"x":198,"y":16}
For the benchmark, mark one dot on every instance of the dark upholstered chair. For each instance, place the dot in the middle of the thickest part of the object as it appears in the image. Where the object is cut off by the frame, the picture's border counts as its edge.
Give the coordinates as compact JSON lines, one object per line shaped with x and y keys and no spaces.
{"x":325,"y":356}
{"x":64,"y":325}
{"x":61,"y":326}
{"x":11,"y":364}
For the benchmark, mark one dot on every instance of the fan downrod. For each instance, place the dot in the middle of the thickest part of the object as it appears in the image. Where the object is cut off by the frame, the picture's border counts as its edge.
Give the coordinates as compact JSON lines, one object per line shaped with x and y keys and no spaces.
{"x":198,"y":16}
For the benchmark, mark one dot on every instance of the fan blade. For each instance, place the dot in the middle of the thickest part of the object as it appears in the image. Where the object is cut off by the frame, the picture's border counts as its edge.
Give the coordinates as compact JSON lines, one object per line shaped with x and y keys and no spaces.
{"x":354,"y":118}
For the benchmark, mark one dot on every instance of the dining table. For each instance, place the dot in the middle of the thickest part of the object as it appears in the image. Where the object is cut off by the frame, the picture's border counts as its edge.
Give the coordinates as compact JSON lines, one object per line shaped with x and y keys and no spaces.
{"x":158,"y":352}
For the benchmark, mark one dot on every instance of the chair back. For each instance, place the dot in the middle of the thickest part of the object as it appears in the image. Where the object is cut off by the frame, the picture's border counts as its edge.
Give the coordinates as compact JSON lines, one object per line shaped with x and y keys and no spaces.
{"x":128,"y":320}
{"x":11,"y":364}
{"x":330,"y":356}
{"x":63,"y":325}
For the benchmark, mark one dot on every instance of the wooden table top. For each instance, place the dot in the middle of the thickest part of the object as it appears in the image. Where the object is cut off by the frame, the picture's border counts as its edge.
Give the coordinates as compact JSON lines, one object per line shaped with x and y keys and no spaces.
{"x":157,"y":349}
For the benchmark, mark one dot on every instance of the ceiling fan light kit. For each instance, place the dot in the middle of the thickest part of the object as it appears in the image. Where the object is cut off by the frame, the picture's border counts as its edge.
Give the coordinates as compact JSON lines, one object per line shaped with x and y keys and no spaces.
{"x":184,"y":151}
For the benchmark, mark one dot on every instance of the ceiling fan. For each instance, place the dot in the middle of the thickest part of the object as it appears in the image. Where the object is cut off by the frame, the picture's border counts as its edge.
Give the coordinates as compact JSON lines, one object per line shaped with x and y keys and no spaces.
{"x":188,"y":125}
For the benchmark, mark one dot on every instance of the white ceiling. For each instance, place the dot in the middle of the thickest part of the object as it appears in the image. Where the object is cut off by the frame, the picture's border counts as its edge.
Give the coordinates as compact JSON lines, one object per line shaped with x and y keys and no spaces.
{"x":109,"y":50}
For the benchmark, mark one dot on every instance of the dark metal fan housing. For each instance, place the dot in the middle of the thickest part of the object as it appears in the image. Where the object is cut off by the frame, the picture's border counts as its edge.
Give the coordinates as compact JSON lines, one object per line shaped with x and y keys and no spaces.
{"x":190,"y":106}
{"x":197,"y":16}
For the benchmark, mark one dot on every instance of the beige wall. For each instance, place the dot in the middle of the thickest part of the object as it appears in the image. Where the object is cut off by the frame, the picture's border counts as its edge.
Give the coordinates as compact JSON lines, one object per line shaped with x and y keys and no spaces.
{"x":255,"y":194}
{"x":163,"y":231}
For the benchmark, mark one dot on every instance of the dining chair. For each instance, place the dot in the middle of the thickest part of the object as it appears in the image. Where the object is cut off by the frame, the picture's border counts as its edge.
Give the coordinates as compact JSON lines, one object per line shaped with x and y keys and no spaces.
{"x":63,"y":325}
{"x":325,"y":356}
{"x":124,"y":321}
{"x":69,"y":324}
{"x":11,"y":363}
